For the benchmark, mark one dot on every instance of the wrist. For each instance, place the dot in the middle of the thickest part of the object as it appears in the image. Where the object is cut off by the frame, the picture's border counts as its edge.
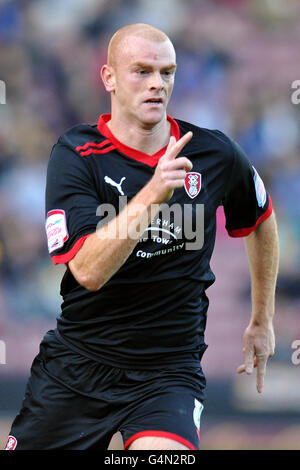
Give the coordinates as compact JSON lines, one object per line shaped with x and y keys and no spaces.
{"x":151,"y":195}
{"x":261,"y":319}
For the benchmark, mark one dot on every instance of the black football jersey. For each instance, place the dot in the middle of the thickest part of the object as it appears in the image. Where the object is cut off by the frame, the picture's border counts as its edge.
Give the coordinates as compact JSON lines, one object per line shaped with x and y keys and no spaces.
{"x":152,"y":312}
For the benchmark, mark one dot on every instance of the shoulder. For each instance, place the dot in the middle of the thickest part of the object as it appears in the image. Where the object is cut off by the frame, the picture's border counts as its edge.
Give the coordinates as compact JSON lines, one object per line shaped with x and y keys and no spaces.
{"x":66,"y":152}
{"x":213,"y":140}
{"x":72,"y":144}
{"x":80,"y":136}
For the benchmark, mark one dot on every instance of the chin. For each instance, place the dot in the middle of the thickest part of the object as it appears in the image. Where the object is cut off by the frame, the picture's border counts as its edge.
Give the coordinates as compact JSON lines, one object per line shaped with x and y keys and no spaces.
{"x":153,"y":118}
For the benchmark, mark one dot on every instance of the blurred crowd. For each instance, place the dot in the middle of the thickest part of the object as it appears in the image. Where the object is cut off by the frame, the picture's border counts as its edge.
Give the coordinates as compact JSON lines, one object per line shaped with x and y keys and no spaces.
{"x":236,"y":62}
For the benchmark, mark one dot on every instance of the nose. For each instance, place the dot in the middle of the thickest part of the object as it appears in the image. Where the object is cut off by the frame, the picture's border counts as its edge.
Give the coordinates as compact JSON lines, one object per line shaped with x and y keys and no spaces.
{"x":156,"y":81}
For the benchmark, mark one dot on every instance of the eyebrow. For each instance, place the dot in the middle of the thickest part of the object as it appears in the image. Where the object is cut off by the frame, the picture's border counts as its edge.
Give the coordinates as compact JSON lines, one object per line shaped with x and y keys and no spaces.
{"x":171,"y":66}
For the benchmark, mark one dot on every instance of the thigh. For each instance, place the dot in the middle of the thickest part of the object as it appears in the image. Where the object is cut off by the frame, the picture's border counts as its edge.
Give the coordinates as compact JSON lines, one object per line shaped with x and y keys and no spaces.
{"x":170,"y":420}
{"x":56,"y":416}
{"x":156,"y":443}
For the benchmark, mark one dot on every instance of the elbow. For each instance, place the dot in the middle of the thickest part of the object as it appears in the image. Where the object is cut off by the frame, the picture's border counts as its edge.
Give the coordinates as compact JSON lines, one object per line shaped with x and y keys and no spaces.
{"x":89,"y":284}
{"x":85,"y":278}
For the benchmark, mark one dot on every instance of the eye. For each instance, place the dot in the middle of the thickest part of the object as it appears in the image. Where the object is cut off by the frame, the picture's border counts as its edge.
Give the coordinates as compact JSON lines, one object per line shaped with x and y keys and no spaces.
{"x":168,"y":73}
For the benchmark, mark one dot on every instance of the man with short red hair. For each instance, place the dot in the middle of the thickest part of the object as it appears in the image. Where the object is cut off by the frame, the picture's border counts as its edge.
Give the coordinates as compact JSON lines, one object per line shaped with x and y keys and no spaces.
{"x":126,"y":353}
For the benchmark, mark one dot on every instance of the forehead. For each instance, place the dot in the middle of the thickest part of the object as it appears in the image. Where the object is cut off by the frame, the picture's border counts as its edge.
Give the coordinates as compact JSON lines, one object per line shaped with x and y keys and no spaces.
{"x":136,"y":49}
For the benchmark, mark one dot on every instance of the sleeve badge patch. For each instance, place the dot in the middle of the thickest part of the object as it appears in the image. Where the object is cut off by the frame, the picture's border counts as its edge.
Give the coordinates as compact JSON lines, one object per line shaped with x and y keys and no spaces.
{"x":56,"y":229}
{"x":11,"y":443}
{"x":260,"y":191}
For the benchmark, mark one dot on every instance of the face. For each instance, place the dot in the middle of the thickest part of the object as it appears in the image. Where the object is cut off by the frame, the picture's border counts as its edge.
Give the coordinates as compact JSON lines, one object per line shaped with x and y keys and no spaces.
{"x":142,"y":80}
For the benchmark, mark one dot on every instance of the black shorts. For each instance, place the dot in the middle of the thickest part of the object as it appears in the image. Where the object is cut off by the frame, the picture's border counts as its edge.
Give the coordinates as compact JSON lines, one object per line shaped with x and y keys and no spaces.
{"x":75,"y":403}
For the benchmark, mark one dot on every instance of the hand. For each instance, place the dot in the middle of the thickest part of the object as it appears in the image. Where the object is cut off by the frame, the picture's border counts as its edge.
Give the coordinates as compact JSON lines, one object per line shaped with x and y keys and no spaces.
{"x":170,"y":172}
{"x":259,"y":345}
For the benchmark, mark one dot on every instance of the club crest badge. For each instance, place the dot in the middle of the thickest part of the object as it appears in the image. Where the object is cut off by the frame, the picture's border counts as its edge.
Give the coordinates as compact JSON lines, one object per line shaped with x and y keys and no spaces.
{"x":192,"y":184}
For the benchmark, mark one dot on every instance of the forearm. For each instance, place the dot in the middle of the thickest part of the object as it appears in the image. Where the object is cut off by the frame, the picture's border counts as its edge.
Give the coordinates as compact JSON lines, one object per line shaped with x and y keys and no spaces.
{"x":105,"y":251}
{"x":263,"y":254}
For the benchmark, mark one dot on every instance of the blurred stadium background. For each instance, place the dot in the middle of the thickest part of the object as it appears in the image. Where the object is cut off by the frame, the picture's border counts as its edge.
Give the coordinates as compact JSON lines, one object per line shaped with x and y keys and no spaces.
{"x":237,"y":60}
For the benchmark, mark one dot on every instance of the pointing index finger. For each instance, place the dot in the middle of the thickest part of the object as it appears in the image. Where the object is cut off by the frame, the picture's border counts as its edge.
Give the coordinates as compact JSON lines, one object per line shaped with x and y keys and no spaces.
{"x":261,"y":371}
{"x":174,"y":148}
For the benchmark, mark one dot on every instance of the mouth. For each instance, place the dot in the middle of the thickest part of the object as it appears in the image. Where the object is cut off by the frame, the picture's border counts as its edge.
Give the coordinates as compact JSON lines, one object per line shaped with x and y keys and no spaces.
{"x":154,"y":101}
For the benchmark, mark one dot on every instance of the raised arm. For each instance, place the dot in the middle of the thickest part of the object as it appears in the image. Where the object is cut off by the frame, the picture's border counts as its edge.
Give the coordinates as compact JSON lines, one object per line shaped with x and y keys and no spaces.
{"x":105,"y":251}
{"x":262,"y":248}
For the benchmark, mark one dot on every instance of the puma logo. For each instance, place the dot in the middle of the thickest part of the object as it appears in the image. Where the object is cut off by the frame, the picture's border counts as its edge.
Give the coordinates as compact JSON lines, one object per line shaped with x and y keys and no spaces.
{"x":108,"y":180}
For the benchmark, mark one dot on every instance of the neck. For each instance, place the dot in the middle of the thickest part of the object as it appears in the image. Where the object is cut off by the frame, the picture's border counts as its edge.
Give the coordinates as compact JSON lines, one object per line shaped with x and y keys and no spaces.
{"x":148,"y":139}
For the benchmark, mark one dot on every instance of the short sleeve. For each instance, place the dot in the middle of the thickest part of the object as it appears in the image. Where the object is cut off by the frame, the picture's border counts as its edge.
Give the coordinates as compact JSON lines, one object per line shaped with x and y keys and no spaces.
{"x":246,"y":201}
{"x":71,"y":203}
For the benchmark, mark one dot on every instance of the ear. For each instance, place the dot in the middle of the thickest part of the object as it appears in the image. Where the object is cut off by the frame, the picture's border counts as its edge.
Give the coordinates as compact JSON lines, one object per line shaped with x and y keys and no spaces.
{"x":108,"y":78}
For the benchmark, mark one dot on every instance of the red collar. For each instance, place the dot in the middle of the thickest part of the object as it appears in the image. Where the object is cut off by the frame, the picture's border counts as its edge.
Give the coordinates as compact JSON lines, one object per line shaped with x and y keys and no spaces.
{"x":150,"y":160}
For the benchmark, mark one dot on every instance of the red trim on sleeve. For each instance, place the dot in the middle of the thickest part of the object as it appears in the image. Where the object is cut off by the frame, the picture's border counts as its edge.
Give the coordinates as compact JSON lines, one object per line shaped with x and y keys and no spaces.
{"x":150,"y":160}
{"x":168,"y":435}
{"x":66,"y":257}
{"x":243,"y":232}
